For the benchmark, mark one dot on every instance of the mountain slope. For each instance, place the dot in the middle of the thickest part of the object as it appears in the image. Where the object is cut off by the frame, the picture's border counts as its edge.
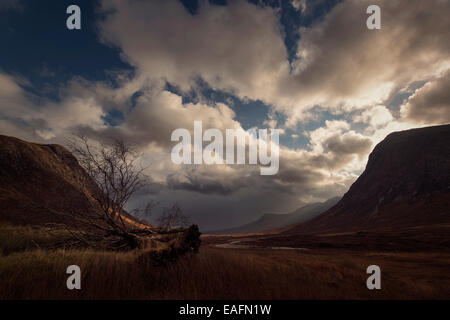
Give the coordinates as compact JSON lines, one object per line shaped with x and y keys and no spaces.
{"x":37,"y":180}
{"x":406,"y":183}
{"x":270,"y":221}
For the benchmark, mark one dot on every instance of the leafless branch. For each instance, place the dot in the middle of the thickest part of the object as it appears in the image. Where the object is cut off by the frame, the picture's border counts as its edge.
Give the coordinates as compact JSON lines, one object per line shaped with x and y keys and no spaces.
{"x":173,"y":217}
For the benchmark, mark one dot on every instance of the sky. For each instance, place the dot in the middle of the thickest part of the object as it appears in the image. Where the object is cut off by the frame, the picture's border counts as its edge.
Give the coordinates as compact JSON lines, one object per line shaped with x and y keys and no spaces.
{"x":137,"y":70}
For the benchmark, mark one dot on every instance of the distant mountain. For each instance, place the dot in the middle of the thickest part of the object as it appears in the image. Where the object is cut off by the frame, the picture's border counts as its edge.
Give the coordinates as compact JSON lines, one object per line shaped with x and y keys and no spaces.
{"x":37,"y":182}
{"x":270,"y":221}
{"x":406,"y":183}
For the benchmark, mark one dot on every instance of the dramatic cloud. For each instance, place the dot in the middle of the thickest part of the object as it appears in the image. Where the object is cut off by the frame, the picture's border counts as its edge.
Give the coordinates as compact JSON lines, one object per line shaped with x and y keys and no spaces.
{"x":158,"y":112}
{"x":343,"y":65}
{"x":375,"y":117}
{"x":340,"y":86}
{"x":238,"y":47}
{"x":33,"y":117}
{"x":431,"y":103}
{"x":211,"y":179}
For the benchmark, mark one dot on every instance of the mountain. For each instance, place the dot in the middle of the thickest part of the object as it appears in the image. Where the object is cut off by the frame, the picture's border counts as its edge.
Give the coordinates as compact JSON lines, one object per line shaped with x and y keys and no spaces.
{"x":270,"y":221}
{"x":406,"y":183}
{"x":37,"y":182}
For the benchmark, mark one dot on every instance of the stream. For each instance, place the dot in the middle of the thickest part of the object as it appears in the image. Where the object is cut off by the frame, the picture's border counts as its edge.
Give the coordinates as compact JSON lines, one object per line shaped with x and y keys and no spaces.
{"x":236,"y":245}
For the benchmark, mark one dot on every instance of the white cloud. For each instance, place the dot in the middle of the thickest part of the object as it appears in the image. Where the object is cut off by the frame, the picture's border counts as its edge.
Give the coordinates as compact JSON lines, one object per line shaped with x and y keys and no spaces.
{"x":238,"y":47}
{"x":431,"y":103}
{"x":159,"y":112}
{"x":343,"y":68}
{"x":375,"y":117}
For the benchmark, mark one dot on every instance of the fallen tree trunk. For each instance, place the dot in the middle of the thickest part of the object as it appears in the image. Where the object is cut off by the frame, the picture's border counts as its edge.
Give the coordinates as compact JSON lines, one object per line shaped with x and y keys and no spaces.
{"x":168,"y":246}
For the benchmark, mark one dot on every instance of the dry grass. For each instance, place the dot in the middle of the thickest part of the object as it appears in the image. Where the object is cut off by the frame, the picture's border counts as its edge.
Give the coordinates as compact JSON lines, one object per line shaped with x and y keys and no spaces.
{"x":22,"y":238}
{"x":31,"y":273}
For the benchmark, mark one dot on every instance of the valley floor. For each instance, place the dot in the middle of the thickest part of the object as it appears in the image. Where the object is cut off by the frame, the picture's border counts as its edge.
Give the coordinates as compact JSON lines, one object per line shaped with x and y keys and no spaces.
{"x":28,"y":271}
{"x":226,"y":274}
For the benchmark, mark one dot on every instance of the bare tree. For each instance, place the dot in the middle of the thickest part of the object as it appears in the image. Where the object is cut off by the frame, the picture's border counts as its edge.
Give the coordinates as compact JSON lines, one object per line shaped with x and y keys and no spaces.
{"x":173,"y":217}
{"x":146,"y":212}
{"x":113,"y":176}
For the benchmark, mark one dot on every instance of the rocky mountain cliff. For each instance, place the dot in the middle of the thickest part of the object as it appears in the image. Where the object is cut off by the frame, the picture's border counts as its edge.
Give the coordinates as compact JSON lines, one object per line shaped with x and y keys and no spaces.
{"x":406,"y":183}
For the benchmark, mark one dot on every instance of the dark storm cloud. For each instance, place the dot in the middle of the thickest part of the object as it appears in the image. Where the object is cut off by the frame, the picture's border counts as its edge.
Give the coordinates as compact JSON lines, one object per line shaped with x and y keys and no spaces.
{"x":215,"y":179}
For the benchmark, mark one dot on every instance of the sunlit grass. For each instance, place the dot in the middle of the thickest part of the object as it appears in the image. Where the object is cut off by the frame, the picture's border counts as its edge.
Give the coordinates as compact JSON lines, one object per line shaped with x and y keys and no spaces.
{"x":21,"y":238}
